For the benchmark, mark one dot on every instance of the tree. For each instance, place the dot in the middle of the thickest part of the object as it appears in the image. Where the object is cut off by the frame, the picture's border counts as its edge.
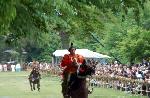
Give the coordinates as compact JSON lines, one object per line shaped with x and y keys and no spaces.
{"x":84,"y":22}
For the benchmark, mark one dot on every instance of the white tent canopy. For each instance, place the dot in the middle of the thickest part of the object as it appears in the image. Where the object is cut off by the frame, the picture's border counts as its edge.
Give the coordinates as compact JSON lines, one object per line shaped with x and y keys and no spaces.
{"x":60,"y":52}
{"x":84,"y":52}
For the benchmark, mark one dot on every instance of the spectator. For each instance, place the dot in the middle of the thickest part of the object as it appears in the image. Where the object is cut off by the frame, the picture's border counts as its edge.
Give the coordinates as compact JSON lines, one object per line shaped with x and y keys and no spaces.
{"x":18,"y":68}
{"x":13,"y":68}
{"x":1,"y":68}
{"x":5,"y":67}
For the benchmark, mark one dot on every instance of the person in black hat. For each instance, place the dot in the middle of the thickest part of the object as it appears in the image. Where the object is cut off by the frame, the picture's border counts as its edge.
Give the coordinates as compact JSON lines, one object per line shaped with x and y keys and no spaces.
{"x":72,"y":86}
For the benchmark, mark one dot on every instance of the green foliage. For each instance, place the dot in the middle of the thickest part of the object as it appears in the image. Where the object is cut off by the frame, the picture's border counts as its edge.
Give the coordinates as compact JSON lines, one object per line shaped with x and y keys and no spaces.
{"x":136,"y":45}
{"x":114,"y":27}
{"x":7,"y":14}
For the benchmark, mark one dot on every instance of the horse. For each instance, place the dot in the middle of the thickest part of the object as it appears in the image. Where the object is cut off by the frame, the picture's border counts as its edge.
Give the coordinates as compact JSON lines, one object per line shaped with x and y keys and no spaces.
{"x":74,"y":86}
{"x":34,"y":78}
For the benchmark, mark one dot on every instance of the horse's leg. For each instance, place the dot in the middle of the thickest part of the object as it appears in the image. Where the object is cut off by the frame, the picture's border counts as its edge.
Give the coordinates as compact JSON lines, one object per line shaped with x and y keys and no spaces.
{"x":65,"y":91}
{"x":38,"y":86}
{"x":30,"y":85}
{"x":34,"y":86}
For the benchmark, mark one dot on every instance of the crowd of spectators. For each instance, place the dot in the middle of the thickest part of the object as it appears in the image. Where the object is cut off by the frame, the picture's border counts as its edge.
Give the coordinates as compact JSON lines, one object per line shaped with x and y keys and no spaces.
{"x":137,"y":72}
{"x":10,"y":67}
{"x":44,"y":67}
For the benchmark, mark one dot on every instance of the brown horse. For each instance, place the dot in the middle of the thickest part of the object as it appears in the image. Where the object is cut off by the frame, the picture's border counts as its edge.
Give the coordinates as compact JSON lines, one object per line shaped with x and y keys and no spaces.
{"x":34,"y":78}
{"x":74,"y":85}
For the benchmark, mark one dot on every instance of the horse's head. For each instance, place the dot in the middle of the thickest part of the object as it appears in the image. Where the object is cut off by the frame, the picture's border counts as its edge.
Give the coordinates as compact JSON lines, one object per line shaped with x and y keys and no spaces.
{"x":86,"y":69}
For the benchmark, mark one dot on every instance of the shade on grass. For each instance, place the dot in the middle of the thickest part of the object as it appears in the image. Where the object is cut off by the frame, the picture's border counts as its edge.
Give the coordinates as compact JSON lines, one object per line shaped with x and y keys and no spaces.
{"x":16,"y":85}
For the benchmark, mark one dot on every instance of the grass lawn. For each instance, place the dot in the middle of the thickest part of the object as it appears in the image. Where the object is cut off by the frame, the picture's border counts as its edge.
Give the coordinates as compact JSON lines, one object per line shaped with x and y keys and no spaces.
{"x":16,"y":85}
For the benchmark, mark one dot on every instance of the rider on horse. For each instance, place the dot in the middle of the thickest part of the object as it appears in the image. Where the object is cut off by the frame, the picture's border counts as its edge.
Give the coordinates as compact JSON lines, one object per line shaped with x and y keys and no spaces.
{"x":35,"y":74}
{"x":34,"y":78}
{"x":71,"y":64}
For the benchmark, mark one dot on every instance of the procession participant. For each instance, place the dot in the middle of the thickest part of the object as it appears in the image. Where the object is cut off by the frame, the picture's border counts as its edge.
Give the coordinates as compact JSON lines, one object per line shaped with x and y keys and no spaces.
{"x":71,"y":63}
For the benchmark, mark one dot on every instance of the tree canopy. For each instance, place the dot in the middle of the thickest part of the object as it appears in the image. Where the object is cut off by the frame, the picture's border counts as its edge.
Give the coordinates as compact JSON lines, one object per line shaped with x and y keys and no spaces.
{"x":119,"y":28}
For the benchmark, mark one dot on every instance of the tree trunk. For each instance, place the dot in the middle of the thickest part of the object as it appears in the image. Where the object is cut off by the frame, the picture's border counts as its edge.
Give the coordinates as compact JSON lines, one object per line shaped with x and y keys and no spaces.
{"x":64,"y":39}
{"x":131,"y":61}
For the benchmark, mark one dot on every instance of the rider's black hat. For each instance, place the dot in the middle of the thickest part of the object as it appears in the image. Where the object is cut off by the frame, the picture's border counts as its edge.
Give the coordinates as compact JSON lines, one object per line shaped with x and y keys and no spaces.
{"x":71,"y":47}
